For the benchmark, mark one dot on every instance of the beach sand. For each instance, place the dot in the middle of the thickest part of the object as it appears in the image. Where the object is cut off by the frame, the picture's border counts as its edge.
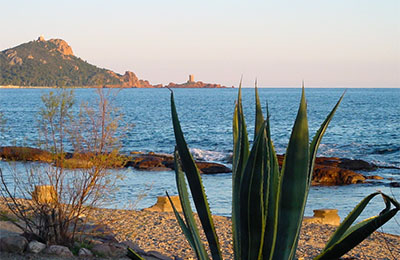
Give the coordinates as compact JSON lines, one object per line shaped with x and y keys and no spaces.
{"x":159,"y":231}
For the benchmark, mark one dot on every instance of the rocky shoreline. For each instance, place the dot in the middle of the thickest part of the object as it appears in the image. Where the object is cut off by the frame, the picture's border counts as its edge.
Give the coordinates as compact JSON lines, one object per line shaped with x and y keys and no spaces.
{"x":327,"y":170}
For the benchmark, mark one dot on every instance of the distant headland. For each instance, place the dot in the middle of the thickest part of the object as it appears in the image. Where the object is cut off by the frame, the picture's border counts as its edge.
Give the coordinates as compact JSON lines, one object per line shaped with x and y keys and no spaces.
{"x":191,"y":83}
{"x":52,"y":63}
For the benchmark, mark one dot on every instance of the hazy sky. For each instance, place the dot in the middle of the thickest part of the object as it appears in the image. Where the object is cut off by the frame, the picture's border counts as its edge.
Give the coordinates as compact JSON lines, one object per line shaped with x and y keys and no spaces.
{"x":326,"y":43}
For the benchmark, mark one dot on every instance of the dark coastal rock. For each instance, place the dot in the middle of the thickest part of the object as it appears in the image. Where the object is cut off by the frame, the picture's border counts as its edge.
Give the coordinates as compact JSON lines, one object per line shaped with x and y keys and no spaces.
{"x":326,"y":175}
{"x":356,"y":165}
{"x":395,"y":184}
{"x":331,"y":171}
{"x":327,"y":170}
{"x":154,"y":162}
{"x":212,"y":168}
{"x":344,"y":163}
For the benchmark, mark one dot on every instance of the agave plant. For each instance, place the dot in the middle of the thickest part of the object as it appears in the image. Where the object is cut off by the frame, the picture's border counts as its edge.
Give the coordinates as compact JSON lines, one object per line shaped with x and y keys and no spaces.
{"x":267,"y":202}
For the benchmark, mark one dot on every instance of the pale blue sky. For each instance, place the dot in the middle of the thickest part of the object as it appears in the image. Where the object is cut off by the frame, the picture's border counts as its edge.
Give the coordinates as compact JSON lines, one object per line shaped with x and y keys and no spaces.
{"x":341,"y":43}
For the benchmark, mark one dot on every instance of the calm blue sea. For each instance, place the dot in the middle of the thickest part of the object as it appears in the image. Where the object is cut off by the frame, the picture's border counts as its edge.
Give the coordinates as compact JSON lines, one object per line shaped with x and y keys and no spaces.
{"x":366,"y":126}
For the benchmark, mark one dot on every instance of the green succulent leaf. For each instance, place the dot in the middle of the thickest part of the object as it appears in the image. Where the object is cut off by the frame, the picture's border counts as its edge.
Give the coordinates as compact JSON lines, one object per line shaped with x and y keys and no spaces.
{"x":259,"y":114}
{"x":191,"y":231}
{"x":318,"y":137}
{"x":294,"y":186}
{"x":351,"y":217}
{"x":195,"y":184}
{"x":182,"y":224}
{"x":346,"y":238}
{"x":240,"y":155}
{"x":252,"y":220}
{"x":272,"y":178}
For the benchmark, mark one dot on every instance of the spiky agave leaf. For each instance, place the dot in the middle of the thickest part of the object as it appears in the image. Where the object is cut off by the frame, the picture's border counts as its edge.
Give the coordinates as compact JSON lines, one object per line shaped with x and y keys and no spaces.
{"x":318,"y":137}
{"x":294,"y":186}
{"x":240,"y":155}
{"x":196,"y":185}
{"x":189,"y":228}
{"x":252,"y":214}
{"x":346,"y":237}
{"x":272,"y":198}
{"x":259,"y":122}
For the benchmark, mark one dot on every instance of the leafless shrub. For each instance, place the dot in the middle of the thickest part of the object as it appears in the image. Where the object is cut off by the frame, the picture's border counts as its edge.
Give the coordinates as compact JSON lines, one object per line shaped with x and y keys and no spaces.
{"x":56,"y":198}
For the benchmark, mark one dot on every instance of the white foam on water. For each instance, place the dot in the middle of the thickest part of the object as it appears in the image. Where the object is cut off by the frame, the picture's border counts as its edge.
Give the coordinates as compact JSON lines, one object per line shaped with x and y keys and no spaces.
{"x":210,"y":156}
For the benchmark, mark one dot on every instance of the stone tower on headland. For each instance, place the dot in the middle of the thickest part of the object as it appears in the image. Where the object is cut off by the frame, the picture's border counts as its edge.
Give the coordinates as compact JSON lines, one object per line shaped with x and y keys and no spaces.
{"x":191,"y":78}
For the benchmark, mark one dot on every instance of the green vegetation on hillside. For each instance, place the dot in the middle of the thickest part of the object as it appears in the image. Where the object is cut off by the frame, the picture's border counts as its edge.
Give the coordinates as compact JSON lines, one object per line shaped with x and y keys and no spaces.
{"x":44,"y":63}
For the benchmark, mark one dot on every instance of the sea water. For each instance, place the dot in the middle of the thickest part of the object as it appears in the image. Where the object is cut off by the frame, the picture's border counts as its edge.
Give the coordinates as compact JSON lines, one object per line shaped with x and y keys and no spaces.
{"x":366,"y":126}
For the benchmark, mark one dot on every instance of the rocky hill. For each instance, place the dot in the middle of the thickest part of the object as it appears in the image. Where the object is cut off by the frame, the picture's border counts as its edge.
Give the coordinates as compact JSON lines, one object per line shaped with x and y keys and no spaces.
{"x":53,"y":63}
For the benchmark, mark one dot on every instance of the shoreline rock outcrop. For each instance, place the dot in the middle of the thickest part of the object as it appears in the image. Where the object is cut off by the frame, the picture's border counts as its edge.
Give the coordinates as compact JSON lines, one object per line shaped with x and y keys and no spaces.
{"x":197,"y":84}
{"x":191,"y":83}
{"x":327,"y":170}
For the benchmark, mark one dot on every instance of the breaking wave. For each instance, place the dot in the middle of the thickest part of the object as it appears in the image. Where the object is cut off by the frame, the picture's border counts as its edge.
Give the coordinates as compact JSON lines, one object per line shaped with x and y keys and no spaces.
{"x":211,"y":156}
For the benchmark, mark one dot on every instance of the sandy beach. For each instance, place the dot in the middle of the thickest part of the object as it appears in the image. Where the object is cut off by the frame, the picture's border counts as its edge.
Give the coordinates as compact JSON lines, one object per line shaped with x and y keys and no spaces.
{"x":159,"y":231}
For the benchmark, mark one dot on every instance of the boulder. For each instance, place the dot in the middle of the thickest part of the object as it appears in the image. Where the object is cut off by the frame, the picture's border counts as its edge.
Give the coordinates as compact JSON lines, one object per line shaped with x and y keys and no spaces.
{"x":84,"y":252}
{"x":36,"y":247}
{"x":330,"y":171}
{"x":13,"y":244}
{"x":326,"y":175}
{"x":58,"y":250}
{"x":113,"y":250}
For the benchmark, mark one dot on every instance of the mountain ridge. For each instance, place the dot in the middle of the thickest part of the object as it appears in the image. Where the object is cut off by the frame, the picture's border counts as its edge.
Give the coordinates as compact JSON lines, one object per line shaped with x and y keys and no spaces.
{"x":52,"y":63}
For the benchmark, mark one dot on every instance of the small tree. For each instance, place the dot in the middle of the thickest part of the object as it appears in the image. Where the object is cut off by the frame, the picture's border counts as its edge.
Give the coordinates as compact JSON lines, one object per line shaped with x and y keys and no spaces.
{"x":71,"y":193}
